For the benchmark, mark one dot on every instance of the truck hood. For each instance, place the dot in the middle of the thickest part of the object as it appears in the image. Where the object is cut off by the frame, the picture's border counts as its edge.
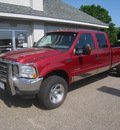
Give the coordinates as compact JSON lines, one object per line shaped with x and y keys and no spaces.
{"x":29,"y":55}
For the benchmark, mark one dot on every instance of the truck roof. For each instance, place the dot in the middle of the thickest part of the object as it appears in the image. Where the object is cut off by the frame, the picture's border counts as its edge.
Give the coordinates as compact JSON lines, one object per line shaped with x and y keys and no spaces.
{"x":74,"y":31}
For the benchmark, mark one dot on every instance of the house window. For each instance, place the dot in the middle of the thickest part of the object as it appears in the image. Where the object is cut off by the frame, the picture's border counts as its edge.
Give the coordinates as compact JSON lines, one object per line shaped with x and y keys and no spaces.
{"x":13,"y":40}
{"x":5,"y":41}
{"x":21,"y":39}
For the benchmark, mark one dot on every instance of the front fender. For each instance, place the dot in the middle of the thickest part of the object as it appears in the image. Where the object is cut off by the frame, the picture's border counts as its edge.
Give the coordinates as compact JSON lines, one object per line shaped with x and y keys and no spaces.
{"x":53,"y":67}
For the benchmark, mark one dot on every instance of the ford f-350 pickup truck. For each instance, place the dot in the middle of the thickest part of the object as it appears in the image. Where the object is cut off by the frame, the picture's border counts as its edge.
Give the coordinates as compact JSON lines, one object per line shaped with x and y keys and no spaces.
{"x":54,"y":62}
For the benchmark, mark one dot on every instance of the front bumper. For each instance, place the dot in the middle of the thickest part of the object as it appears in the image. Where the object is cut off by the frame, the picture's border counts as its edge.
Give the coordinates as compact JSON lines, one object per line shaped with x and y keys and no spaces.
{"x":19,"y":86}
{"x":27,"y":87}
{"x":22,"y":86}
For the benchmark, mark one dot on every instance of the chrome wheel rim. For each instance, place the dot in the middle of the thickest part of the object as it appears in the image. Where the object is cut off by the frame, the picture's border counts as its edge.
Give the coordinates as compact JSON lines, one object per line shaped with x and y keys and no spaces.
{"x":57,"y":93}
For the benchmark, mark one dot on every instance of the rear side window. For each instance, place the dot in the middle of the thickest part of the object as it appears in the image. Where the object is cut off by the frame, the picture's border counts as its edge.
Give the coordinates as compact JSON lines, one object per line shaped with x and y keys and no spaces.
{"x":101,"y":41}
{"x":85,"y":38}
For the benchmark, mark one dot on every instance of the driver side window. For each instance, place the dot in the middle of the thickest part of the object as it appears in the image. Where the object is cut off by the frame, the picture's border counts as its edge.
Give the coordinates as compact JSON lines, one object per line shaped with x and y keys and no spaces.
{"x":85,"y":38}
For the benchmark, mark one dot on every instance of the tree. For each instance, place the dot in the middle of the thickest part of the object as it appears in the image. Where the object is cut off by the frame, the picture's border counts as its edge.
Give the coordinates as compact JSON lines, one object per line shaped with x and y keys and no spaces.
{"x":118,"y":31}
{"x":119,"y":35}
{"x":97,"y":12}
{"x":112,"y":33}
{"x":103,"y":15}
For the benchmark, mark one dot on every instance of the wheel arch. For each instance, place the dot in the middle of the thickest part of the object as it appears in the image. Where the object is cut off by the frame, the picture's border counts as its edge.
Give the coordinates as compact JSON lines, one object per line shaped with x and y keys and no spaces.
{"x":60,"y":73}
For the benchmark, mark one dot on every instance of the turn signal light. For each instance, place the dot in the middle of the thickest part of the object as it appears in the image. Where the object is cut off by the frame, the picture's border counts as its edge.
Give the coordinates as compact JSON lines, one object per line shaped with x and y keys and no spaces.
{"x":34,"y":76}
{"x":90,"y":49}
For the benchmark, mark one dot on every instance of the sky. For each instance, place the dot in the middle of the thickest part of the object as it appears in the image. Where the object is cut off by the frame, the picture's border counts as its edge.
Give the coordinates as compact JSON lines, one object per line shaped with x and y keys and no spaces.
{"x":112,"y":6}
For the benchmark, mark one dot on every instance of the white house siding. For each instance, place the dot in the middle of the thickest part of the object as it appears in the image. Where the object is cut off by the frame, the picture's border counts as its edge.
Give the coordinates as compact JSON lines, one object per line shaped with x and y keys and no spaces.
{"x":38,"y":31}
{"x":35,"y":4}
{"x":17,"y":2}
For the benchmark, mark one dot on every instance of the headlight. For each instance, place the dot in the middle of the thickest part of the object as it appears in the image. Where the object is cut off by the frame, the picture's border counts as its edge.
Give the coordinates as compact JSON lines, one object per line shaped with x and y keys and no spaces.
{"x":28,"y":72}
{"x":15,"y":71}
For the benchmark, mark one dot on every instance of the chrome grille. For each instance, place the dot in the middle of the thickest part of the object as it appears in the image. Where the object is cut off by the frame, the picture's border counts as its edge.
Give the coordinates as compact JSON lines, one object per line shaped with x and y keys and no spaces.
{"x":3,"y":71}
{"x":4,"y":68}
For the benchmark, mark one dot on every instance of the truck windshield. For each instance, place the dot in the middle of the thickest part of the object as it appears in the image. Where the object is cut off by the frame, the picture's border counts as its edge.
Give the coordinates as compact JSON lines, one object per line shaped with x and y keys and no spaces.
{"x":59,"y":40}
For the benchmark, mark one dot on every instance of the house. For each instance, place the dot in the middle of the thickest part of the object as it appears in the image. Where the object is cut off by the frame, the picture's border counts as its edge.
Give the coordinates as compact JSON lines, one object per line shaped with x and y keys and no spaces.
{"x":23,"y":22}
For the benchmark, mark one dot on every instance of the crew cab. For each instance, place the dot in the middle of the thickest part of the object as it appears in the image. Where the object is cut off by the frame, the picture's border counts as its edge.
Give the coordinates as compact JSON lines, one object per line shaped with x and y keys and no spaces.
{"x":54,"y":62}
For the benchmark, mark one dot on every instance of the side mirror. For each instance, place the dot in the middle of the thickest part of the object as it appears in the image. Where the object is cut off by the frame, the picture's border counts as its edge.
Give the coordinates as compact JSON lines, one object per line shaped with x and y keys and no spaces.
{"x":78,"y":51}
{"x":86,"y":49}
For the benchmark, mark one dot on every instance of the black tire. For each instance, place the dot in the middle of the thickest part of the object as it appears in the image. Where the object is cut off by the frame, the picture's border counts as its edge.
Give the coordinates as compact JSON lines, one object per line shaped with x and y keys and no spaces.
{"x":118,"y":70}
{"x":48,"y":96}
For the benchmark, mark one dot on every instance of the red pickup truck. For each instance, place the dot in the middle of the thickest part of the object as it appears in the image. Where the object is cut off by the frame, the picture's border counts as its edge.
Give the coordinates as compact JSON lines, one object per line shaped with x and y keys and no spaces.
{"x":54,"y":62}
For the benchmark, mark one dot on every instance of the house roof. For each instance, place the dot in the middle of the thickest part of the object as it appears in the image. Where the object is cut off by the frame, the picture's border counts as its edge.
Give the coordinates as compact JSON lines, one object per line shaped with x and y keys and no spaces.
{"x":53,"y":9}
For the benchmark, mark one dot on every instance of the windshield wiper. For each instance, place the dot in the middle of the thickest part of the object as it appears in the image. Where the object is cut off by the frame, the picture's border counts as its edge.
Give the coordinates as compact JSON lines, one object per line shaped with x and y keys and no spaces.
{"x":48,"y":47}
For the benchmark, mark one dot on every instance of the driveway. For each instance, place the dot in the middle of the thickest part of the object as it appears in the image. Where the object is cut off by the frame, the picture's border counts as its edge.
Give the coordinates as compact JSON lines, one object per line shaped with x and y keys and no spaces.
{"x":91,"y":104}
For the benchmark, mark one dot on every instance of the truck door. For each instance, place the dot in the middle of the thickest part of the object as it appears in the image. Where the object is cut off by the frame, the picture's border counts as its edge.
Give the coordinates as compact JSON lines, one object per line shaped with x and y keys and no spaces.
{"x":85,"y":65}
{"x":104,"y":52}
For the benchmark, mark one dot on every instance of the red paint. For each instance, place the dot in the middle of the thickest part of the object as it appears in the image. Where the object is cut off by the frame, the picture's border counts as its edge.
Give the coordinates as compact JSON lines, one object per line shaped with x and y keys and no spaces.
{"x":48,"y":60}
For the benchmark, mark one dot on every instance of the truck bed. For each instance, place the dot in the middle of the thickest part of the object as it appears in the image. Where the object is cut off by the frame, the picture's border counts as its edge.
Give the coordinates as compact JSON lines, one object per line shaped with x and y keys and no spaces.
{"x":115,"y":55}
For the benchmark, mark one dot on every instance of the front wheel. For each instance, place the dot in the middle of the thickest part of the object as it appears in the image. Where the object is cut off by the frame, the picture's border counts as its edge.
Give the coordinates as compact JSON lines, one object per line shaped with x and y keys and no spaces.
{"x":53,"y":92}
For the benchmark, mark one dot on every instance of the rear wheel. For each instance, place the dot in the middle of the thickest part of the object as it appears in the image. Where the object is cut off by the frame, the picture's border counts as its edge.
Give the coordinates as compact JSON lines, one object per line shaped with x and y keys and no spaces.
{"x":53,"y":92}
{"x":118,"y":70}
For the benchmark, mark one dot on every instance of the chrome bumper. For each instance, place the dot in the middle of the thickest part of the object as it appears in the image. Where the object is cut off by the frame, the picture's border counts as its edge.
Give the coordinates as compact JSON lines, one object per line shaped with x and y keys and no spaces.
{"x":22,"y":86}
{"x":27,"y":86}
{"x":19,"y":86}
